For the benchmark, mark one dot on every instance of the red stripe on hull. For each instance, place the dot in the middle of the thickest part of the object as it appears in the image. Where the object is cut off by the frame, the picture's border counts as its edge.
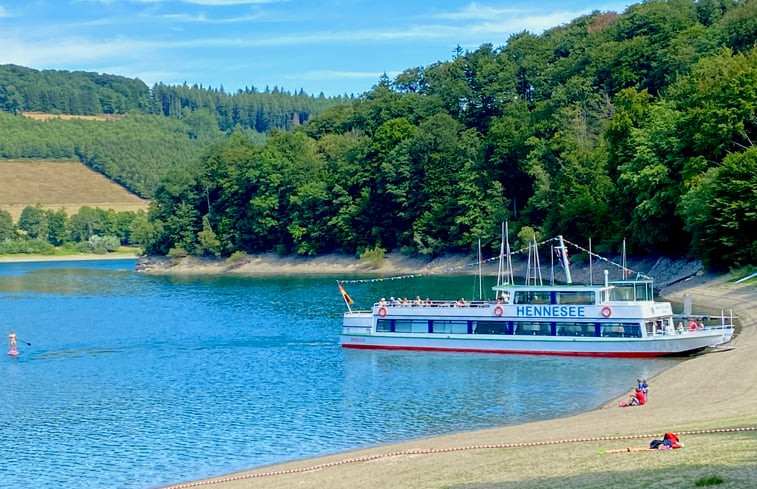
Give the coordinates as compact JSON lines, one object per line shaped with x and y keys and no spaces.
{"x":613,"y":354}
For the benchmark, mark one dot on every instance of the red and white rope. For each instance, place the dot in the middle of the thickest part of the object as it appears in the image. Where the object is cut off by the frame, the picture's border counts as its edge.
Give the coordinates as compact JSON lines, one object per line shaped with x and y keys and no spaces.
{"x":426,"y":451}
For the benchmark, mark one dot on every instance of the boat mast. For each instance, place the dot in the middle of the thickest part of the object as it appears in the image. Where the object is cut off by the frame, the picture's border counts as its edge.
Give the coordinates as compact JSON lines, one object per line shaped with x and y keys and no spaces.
{"x":591,"y":273}
{"x":624,"y":259}
{"x":480,"y":273}
{"x":564,"y":260}
{"x":505,"y":271}
{"x":533,"y":272}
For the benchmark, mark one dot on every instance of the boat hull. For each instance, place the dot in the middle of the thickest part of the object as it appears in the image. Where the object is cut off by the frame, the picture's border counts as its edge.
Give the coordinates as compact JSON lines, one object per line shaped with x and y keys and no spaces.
{"x":598,"y":347}
{"x":358,"y":333}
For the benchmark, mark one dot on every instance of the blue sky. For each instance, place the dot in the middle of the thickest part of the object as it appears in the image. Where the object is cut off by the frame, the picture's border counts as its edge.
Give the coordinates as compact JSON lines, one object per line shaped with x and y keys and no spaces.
{"x":329,"y":46}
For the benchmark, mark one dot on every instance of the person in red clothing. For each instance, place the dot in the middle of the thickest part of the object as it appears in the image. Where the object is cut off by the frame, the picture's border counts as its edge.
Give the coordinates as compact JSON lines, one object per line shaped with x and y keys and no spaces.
{"x":637,"y":399}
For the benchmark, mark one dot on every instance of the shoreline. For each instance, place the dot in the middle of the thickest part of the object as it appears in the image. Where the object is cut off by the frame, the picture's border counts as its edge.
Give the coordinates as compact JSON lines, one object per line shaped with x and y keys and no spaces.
{"x":22,"y":258}
{"x":710,"y":391}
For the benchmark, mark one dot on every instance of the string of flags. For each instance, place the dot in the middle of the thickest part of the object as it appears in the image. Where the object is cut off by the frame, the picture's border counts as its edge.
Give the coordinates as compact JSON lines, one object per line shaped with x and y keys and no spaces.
{"x":627,"y":271}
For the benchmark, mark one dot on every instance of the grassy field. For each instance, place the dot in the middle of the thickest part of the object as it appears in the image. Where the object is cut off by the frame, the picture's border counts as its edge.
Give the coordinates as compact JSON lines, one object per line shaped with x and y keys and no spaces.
{"x":43,"y":116}
{"x":56,"y":184}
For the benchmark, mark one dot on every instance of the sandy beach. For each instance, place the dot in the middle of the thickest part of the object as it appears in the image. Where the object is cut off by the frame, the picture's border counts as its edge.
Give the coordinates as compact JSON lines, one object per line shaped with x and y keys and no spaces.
{"x":709,"y":399}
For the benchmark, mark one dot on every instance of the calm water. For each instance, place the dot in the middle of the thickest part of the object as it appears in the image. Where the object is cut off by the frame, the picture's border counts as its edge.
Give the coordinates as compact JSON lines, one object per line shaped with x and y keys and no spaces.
{"x":137,"y":381}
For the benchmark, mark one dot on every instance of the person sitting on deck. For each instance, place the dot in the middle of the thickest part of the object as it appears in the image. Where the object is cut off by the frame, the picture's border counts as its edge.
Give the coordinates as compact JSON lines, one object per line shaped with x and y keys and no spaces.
{"x":692,"y":325}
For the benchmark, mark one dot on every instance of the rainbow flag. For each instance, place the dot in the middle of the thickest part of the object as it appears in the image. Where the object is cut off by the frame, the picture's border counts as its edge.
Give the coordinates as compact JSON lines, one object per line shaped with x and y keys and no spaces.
{"x":347,"y":298}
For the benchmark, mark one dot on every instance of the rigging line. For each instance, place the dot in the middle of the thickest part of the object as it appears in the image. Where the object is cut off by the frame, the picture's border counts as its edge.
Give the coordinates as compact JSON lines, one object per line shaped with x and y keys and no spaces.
{"x":444,"y":270}
{"x":625,"y":269}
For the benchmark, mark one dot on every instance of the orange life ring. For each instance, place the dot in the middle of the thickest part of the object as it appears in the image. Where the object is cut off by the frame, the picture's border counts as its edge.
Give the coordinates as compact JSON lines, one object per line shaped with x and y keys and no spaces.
{"x":606,"y":312}
{"x":382,"y":311}
{"x":498,"y":311}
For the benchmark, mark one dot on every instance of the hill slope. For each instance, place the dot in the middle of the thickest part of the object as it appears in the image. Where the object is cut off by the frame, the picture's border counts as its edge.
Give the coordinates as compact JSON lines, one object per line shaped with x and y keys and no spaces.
{"x":56,"y":184}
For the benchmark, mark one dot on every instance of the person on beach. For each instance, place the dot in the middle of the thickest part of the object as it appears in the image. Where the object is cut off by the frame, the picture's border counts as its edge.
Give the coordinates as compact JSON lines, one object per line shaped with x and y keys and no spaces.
{"x":12,"y":340}
{"x":642,"y":384}
{"x":637,"y":399}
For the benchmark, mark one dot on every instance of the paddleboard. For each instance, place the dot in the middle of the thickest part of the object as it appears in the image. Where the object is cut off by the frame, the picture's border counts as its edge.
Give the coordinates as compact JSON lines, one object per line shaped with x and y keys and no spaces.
{"x":13,"y":353}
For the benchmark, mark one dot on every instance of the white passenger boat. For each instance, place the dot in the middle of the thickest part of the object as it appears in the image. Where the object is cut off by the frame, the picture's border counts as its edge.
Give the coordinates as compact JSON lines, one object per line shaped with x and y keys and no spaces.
{"x":614,"y":319}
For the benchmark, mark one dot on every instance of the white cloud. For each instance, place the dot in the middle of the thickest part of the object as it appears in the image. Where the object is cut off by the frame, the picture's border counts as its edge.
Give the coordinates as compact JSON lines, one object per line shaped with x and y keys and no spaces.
{"x":474,"y":11}
{"x":223,"y":3}
{"x":203,"y":19}
{"x":72,"y":51}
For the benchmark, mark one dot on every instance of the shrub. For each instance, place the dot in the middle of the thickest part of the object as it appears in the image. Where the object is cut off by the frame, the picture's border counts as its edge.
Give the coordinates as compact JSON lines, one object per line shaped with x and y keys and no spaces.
{"x":374,"y":256}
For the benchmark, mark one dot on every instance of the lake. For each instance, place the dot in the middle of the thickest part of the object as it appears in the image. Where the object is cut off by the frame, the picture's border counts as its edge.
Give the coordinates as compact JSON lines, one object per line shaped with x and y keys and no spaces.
{"x":138,"y":381}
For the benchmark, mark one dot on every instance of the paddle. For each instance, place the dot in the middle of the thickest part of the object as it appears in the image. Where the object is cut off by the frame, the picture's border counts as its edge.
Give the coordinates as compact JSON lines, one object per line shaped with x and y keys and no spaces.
{"x":24,"y":342}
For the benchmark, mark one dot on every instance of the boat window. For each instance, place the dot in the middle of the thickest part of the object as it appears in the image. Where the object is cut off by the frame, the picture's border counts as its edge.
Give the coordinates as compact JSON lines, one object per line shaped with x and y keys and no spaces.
{"x":410,"y":326}
{"x":650,"y":327}
{"x":384,"y":325}
{"x":491,"y":327}
{"x":621,"y":330}
{"x":574,"y":329}
{"x":622,"y":293}
{"x":531,"y":297}
{"x":451,"y":327}
{"x":574,"y":297}
{"x":644,"y":292}
{"x":533,"y":328}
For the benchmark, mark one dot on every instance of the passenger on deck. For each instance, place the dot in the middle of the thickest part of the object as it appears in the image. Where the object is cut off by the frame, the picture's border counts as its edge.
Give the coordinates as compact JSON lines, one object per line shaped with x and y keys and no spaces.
{"x":417,"y":301}
{"x":427,"y":302}
{"x":461,"y":302}
{"x":382,"y":302}
{"x":669,"y":328}
{"x":700,"y":325}
{"x":679,"y":328}
{"x":692,"y":325}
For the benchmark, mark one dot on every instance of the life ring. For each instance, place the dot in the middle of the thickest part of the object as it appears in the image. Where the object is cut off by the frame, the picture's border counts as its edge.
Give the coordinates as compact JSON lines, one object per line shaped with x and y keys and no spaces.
{"x":382,"y":311}
{"x":498,"y":311}
{"x":606,"y":312}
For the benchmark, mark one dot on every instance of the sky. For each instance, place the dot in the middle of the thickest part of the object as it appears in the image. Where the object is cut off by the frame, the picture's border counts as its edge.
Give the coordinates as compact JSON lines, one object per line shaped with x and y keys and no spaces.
{"x":334,"y":47}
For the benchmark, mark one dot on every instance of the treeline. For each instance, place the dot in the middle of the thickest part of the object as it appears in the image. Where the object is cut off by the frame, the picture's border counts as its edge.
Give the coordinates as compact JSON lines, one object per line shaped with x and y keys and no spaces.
{"x":85,"y":93}
{"x":90,"y":230}
{"x":637,"y":125}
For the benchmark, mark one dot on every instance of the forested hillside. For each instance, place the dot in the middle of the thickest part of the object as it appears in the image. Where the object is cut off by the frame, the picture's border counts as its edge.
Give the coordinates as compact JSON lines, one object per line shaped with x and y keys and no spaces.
{"x":636,"y":125}
{"x":159,"y":130}
{"x":84,"y":93}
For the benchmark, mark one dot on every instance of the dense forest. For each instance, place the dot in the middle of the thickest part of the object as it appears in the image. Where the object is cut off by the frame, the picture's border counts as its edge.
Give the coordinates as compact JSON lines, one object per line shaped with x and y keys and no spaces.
{"x":636,"y":125}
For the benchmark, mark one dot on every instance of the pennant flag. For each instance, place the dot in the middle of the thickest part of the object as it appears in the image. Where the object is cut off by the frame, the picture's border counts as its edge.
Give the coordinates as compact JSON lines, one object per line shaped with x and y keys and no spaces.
{"x":347,"y":298}
{"x":562,"y":256}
